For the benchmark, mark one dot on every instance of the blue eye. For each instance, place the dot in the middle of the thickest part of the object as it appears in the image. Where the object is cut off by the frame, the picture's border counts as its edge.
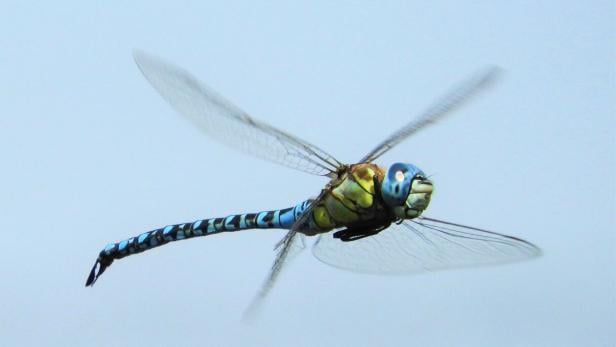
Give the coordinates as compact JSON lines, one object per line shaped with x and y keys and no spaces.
{"x":396,"y":184}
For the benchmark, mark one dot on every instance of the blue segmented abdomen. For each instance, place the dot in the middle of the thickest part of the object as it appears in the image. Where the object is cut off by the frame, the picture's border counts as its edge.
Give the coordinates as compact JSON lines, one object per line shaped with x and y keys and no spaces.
{"x":276,"y":219}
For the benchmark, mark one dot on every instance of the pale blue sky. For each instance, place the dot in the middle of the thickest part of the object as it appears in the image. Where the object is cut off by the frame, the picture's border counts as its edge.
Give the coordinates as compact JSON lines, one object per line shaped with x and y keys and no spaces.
{"x":91,"y":154}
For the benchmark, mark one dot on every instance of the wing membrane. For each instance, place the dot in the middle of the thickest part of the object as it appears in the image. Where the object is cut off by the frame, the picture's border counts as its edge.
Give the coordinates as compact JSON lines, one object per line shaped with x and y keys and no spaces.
{"x":287,"y":248}
{"x":441,"y":108}
{"x":423,"y":244}
{"x":227,"y":123}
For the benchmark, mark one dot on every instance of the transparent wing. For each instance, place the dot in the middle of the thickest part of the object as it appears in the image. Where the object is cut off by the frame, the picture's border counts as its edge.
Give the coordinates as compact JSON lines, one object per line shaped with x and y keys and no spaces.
{"x":222,"y":120}
{"x":441,"y":108}
{"x":291,"y":245}
{"x":423,"y":244}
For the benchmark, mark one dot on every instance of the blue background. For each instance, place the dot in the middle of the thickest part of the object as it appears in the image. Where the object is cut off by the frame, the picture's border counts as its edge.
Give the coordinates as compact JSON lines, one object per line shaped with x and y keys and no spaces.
{"x":91,"y":154}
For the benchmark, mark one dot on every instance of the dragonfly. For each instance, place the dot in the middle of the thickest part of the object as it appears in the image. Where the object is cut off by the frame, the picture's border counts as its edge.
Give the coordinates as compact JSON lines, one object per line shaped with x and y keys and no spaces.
{"x":366,"y":219}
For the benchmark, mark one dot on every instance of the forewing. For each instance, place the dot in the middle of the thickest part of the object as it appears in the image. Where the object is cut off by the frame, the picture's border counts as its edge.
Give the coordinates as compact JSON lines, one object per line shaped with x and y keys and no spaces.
{"x":423,"y":244}
{"x":441,"y":108}
{"x":227,"y":123}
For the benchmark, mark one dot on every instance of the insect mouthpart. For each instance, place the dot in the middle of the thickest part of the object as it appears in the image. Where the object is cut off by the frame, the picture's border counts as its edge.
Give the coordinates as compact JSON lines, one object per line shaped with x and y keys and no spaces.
{"x":419,"y":197}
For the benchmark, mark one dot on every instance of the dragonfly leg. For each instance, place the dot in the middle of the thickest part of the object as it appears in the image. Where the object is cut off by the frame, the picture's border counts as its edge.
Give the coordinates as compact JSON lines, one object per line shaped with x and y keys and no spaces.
{"x":356,"y":233}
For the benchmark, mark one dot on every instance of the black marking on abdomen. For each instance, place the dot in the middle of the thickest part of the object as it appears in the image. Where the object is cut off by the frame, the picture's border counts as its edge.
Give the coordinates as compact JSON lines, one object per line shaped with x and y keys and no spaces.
{"x":234,"y":222}
{"x":251,"y":220}
{"x":266,"y":219}
{"x":203,"y":227}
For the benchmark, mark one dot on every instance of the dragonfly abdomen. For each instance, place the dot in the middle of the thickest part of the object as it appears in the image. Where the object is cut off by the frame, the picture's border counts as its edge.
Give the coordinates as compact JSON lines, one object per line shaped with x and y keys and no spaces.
{"x":275,"y":219}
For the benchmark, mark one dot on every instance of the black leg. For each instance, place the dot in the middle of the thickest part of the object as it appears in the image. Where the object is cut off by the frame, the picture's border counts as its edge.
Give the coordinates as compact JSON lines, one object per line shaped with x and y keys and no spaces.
{"x":353,"y":234}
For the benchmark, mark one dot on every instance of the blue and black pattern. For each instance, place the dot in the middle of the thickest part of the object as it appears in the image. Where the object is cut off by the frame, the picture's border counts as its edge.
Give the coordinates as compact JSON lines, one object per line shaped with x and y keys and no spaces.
{"x":276,"y":219}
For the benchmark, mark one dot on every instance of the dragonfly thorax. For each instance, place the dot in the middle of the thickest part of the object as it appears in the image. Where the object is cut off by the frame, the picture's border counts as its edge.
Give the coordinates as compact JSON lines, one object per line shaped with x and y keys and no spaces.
{"x":406,"y":190}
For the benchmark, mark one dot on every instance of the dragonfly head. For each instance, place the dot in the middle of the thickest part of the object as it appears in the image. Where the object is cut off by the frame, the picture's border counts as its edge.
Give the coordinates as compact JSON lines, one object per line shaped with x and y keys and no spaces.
{"x":406,"y":190}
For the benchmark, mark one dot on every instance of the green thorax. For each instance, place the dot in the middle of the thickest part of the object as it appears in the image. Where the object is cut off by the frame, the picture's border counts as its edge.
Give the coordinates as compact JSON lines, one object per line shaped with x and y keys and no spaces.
{"x":351,"y":199}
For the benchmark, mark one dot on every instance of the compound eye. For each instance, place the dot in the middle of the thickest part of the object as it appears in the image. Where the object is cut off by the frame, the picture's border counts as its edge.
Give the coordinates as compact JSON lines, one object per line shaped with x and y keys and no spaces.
{"x":399,"y":176}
